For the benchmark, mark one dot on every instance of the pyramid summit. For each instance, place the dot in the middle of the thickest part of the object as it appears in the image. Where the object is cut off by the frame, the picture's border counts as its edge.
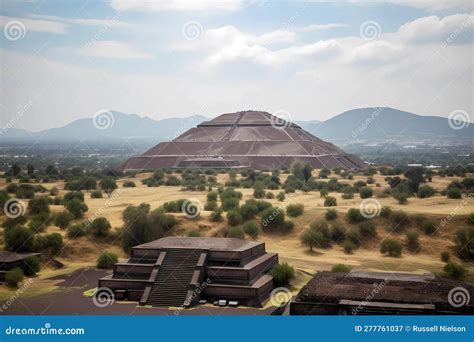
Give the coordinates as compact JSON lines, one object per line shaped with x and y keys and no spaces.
{"x":247,"y":139}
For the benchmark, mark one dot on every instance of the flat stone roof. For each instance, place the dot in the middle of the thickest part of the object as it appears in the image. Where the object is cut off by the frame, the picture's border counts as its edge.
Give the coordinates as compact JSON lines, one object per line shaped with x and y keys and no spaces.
{"x":6,"y":256}
{"x":207,"y":243}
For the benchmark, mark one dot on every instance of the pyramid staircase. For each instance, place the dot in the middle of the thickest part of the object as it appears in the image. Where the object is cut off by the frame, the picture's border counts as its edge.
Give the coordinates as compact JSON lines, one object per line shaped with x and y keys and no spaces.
{"x":174,"y":277}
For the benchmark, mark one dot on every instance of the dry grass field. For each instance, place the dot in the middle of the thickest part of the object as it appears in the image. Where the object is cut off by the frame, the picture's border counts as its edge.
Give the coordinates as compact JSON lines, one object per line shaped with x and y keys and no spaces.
{"x":83,"y":252}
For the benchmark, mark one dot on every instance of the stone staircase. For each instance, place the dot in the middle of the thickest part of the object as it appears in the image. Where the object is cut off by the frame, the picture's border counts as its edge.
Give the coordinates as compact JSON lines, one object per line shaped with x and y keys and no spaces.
{"x":173,"y":278}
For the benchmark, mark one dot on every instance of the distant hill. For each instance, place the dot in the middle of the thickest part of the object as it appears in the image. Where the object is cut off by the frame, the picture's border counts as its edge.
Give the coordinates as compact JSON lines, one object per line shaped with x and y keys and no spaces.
{"x":384,"y":123}
{"x":364,"y":124}
{"x":110,"y":126}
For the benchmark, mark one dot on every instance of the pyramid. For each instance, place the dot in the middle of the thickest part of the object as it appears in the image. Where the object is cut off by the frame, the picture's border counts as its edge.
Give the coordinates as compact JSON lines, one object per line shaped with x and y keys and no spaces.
{"x":247,"y":139}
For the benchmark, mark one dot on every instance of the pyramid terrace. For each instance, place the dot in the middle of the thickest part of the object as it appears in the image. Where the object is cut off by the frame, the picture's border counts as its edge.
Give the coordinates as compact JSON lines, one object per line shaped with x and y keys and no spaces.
{"x":181,"y":271}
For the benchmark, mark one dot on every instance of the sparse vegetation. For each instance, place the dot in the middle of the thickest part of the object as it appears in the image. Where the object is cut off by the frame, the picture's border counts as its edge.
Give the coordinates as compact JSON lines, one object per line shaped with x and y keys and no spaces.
{"x":282,"y":274}
{"x":107,"y":260}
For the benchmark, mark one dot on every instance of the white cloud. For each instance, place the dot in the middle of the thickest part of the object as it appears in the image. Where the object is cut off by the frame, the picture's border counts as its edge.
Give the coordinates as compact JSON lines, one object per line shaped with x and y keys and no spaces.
{"x":176,"y":5}
{"x":228,"y":44}
{"x":435,"y":29}
{"x":319,"y":27}
{"x":36,"y":25}
{"x":375,"y":52}
{"x":434,"y":5}
{"x":113,"y":49}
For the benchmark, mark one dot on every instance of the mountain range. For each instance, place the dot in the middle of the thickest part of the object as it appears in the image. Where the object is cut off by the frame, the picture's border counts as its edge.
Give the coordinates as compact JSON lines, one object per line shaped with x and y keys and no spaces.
{"x":364,"y":124}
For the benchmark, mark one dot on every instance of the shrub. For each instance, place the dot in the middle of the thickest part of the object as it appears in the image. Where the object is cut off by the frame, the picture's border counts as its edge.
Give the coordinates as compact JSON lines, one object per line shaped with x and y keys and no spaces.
{"x":19,"y":239}
{"x":14,"y":276}
{"x":129,"y":184}
{"x":100,"y":227}
{"x":353,"y":235}
{"x":251,"y":229}
{"x":39,"y":222}
{"x":331,"y":214}
{"x":211,"y":196}
{"x":470,"y":218}
{"x":330,"y":201}
{"x":69,"y":196}
{"x":341,"y":268}
{"x":63,"y":219}
{"x":445,"y":256}
{"x":54,"y":243}
{"x":76,"y":207}
{"x":354,"y":216}
{"x":429,"y":227}
{"x":385,"y":211}
{"x":348,"y":247}
{"x":234,"y":218}
{"x":337,"y":232}
{"x":455,"y":270}
{"x":235,"y":232}
{"x":249,"y":210}
{"x":282,"y":274}
{"x":367,"y":229}
{"x":272,"y":218}
{"x":76,"y":230}
{"x":210,"y":205}
{"x":454,"y":193}
{"x":413,"y":242}
{"x":391,"y":247}
{"x":230,"y":203}
{"x":365,"y":192}
{"x":38,"y":205}
{"x":193,"y":233}
{"x":400,"y":220}
{"x":426,"y":191}
{"x":107,"y":260}
{"x":259,"y":192}
{"x":281,"y":196}
{"x":323,"y":192}
{"x":31,"y":266}
{"x":465,"y":243}
{"x":96,"y":194}
{"x":216,"y":215}
{"x":294,"y":210}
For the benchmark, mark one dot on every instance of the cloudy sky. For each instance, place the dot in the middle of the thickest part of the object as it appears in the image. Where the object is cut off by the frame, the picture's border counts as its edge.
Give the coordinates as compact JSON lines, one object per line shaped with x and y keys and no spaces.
{"x":63,"y":60}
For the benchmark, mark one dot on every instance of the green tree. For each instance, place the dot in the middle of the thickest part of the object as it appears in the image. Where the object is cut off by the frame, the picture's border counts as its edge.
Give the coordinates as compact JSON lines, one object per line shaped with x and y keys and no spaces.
{"x":108,"y":185}
{"x":100,"y":227}
{"x":19,"y":239}
{"x":15,"y":170}
{"x":14,"y":276}
{"x":282,"y":274}
{"x":330,"y":201}
{"x":31,"y":266}
{"x":107,"y":260}
{"x":415,"y":176}
{"x":38,"y":205}
{"x":365,"y":192}
{"x":77,"y":208}
{"x":307,"y":172}
{"x":391,"y":247}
